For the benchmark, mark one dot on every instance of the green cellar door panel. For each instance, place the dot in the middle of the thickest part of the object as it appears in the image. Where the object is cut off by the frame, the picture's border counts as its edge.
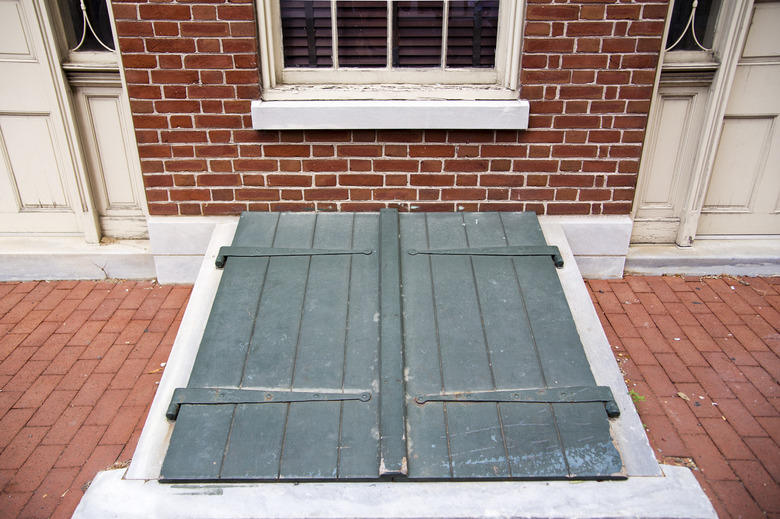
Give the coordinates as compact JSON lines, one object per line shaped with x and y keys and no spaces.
{"x":370,"y":346}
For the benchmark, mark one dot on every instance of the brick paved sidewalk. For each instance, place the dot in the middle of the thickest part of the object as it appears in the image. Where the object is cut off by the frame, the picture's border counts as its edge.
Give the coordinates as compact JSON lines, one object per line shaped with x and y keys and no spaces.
{"x":702,"y":357}
{"x":79,"y":366}
{"x":79,"y":363}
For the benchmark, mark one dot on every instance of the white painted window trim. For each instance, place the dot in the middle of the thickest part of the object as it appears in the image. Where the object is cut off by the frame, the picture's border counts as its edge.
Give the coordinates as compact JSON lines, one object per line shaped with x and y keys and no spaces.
{"x":505,"y":74}
{"x":449,"y":99}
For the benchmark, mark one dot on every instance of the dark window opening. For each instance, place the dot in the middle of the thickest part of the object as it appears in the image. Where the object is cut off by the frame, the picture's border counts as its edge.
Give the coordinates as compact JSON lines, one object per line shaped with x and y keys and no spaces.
{"x":88,"y":25}
{"x":417,"y":34}
{"x":362,"y":34}
{"x":411,"y":33}
{"x":692,"y":25}
{"x":473,"y":27}
{"x":306,"y":33}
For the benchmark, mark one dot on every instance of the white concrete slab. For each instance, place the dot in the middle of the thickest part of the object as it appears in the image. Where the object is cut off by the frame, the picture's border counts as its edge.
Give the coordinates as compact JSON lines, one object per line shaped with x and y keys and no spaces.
{"x":601,"y":267}
{"x":707,"y":257}
{"x":594,"y":235}
{"x":648,"y":491}
{"x":178,"y":244}
{"x":45,"y":258}
{"x":677,"y":494}
{"x":177,"y":269}
{"x":183,"y":235}
{"x":600,"y":243}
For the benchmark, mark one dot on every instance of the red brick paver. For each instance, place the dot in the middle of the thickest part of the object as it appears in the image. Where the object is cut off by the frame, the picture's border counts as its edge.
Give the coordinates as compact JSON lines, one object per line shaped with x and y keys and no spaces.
{"x":79,"y":365}
{"x":702,"y":356}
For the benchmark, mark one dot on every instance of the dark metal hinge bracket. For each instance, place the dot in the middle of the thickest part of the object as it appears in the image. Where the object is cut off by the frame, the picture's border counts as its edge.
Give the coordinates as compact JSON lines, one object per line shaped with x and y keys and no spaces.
{"x":221,"y":395}
{"x":267,"y":252}
{"x":523,"y":250}
{"x":552,"y":395}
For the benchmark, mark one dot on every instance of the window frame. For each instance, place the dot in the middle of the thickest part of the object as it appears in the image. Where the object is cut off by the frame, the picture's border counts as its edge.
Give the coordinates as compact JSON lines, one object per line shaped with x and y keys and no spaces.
{"x":498,"y":83}
{"x":704,"y":60}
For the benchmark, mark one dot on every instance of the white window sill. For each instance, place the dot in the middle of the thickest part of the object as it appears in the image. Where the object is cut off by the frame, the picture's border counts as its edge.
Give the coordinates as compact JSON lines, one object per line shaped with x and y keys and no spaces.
{"x":390,"y":114}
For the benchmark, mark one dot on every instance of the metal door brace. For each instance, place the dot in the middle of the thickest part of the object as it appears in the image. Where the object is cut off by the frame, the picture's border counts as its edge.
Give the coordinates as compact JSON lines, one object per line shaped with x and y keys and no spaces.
{"x":523,"y":250}
{"x":221,"y":395}
{"x":552,"y":395}
{"x":265,"y":252}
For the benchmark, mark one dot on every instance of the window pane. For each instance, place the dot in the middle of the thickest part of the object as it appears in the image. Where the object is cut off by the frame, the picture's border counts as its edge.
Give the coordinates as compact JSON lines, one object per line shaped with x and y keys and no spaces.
{"x":472,"y":31}
{"x":81,"y":36}
{"x":417,"y":34}
{"x":306,"y":33}
{"x":362,"y":34}
{"x":703,"y":24}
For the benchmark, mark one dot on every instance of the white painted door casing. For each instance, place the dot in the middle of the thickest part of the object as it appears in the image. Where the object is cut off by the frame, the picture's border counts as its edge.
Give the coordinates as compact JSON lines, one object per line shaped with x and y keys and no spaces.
{"x":710,"y":164}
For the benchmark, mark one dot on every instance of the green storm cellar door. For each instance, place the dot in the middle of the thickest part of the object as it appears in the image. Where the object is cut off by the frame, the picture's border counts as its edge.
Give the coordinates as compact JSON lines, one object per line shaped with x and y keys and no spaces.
{"x":370,"y":346}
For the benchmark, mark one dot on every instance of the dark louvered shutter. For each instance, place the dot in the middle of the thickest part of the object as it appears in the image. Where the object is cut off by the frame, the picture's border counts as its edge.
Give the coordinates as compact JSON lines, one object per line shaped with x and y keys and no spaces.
{"x":362,"y":33}
{"x":306,"y":33}
{"x":471,"y":39}
{"x":417,"y":34}
{"x":362,"y":30}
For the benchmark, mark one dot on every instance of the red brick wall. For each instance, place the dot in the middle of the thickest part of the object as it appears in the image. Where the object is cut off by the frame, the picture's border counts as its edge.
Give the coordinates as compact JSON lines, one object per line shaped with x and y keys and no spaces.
{"x":192,"y":70}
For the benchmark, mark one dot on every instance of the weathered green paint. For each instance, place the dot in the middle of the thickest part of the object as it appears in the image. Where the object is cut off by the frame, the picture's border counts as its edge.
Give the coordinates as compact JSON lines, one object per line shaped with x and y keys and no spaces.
{"x":392,"y":418}
{"x":455,"y":325}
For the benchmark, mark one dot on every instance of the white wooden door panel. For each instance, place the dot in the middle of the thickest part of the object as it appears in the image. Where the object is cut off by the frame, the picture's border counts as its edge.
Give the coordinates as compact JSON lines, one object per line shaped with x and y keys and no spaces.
{"x":33,"y":162}
{"x":722,"y":178}
{"x":762,"y":40}
{"x":745,"y":183}
{"x":115,"y":181}
{"x":676,"y":118}
{"x":14,"y":43}
{"x":744,"y":188}
{"x":39,"y":190}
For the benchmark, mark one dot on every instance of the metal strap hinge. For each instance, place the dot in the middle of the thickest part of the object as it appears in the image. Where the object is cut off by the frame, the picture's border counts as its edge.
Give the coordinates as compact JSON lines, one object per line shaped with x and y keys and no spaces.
{"x":265,"y":252}
{"x":552,"y":395}
{"x":221,"y":395}
{"x":523,"y":250}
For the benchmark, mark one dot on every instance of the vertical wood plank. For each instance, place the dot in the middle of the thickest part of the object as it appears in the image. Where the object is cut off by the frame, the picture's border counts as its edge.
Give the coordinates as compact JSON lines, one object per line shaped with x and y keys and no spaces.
{"x":583,"y":428}
{"x":359,"y":437}
{"x":474,"y":430}
{"x":392,"y":425}
{"x":589,"y":449}
{"x":222,"y":353}
{"x":427,"y":440}
{"x":219,"y":363}
{"x":254,"y":448}
{"x":313,"y":427}
{"x":269,"y":360}
{"x":529,"y":431}
{"x":197,"y":443}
